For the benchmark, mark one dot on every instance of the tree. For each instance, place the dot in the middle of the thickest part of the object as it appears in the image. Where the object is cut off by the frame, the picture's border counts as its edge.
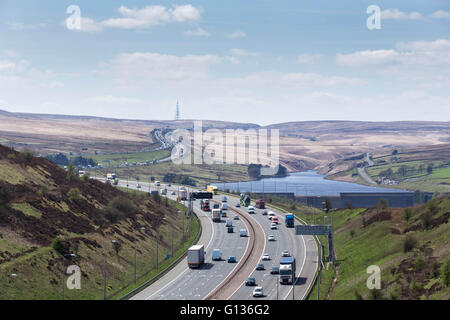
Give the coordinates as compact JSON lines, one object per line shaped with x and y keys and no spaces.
{"x":85,"y":177}
{"x":327,"y":205}
{"x":70,"y":172}
{"x":394,"y":152}
{"x":407,"y":213}
{"x":430,"y":169}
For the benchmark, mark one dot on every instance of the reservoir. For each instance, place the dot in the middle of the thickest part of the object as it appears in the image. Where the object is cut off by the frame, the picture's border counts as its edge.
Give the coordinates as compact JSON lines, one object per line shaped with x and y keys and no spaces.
{"x":308,"y":183}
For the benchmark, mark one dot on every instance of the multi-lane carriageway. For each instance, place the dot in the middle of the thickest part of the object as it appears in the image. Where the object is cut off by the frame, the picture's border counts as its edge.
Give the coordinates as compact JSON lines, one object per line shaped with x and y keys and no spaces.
{"x":223,"y":280}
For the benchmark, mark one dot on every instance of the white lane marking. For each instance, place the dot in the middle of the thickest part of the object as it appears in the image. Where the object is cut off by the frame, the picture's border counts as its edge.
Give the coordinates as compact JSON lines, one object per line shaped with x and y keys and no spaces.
{"x":187,"y":268}
{"x":264,"y":249}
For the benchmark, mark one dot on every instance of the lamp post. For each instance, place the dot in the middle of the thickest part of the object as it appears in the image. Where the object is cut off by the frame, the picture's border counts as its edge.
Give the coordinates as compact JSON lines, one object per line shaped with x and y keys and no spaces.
{"x":63,"y":271}
{"x":135,"y":243}
{"x":13,"y":275}
{"x":157,"y":247}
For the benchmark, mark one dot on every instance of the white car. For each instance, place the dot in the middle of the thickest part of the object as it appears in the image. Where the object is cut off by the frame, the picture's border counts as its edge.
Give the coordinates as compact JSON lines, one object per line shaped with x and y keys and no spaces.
{"x":265,"y":256}
{"x":285,"y":253}
{"x":273,"y":226}
{"x":251,"y":209}
{"x":258,"y":292}
{"x":271,"y":238}
{"x":270,"y":215}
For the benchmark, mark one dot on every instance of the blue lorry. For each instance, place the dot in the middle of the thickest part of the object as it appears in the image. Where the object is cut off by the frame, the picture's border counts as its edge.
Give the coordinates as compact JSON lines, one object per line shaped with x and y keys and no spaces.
{"x":289,"y":220}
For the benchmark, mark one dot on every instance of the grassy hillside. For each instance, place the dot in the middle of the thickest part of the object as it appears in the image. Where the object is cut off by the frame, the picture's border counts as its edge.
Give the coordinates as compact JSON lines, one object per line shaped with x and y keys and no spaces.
{"x":46,"y":213}
{"x":411,"y":247}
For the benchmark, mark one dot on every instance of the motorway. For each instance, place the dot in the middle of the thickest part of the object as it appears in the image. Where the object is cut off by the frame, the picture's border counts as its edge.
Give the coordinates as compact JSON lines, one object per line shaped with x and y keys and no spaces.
{"x":182,"y":283}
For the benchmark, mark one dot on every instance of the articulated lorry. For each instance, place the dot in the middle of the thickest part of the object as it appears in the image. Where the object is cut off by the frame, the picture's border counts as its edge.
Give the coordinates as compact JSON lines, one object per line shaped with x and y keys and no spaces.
{"x":245,"y":200}
{"x":260,"y":204}
{"x":289,"y":220}
{"x":212,"y":189}
{"x":287,"y":270}
{"x":216,"y":215}
{"x":196,"y":256}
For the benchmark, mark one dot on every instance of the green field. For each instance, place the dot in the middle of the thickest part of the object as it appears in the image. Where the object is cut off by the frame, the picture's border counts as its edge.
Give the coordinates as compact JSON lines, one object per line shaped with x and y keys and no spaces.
{"x":201,"y":174}
{"x":118,"y":158}
{"x":416,"y":176}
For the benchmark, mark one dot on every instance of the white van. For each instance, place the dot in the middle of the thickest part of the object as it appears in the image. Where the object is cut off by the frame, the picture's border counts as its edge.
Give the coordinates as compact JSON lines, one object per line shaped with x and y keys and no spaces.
{"x":217,"y":254}
{"x":224,"y":206}
{"x":157,"y":183}
{"x":242,"y":233}
{"x":224,"y":199}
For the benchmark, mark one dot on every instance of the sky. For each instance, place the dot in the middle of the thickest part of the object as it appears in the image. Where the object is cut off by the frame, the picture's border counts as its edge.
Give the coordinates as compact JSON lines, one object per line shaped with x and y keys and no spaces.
{"x":259,"y":61}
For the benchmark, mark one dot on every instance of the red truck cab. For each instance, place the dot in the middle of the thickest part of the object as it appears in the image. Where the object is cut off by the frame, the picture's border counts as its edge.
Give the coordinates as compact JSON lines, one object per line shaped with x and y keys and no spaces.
{"x":260,"y":204}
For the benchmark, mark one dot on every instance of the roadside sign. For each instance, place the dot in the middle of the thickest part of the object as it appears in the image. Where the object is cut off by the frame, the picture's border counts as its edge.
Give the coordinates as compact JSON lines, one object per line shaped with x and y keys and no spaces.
{"x":201,"y":195}
{"x":313,"y":230}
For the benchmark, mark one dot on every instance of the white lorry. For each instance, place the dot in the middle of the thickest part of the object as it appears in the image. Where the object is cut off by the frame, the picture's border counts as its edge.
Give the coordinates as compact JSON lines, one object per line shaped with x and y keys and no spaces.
{"x":196,"y":256}
{"x":216,"y":215}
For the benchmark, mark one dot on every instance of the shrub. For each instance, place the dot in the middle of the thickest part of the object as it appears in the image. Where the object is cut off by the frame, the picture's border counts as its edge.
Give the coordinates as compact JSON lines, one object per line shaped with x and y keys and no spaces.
{"x":419,"y":263}
{"x":445,"y":273}
{"x":409,"y":244}
{"x":85,"y":178}
{"x":74,"y":194}
{"x":293,"y":207}
{"x":58,"y":246}
{"x":407,"y":213}
{"x":28,"y":155}
{"x":376,"y":294}
{"x":5,"y":195}
{"x":432,"y":206}
{"x":426,"y":220}
{"x":11,"y":156}
{"x":358,"y":296}
{"x":123,"y":205}
{"x":156,"y":197}
{"x":352,"y":233}
{"x":43,"y":191}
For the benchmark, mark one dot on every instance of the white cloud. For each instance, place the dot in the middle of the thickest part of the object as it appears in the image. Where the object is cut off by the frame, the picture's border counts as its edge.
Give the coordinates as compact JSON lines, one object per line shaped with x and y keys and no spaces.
{"x":242,"y":53}
{"x":109,"y":99}
{"x":396,"y":14}
{"x":89,"y":25}
{"x":368,"y":58}
{"x":441,"y":14}
{"x":306,"y":58}
{"x":237,"y":34}
{"x":199,"y":32}
{"x":437,"y":45}
{"x":185,"y":13}
{"x":147,"y":17}
{"x":22,"y":26}
{"x":144,"y":67}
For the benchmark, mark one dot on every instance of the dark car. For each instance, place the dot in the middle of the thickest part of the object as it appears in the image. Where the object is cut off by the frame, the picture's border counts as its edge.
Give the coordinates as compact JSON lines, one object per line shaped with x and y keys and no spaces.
{"x":231,"y":259}
{"x":250,"y":281}
{"x":275,"y":270}
{"x":216,"y":206}
{"x":260,"y":266}
{"x":237,"y":205}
